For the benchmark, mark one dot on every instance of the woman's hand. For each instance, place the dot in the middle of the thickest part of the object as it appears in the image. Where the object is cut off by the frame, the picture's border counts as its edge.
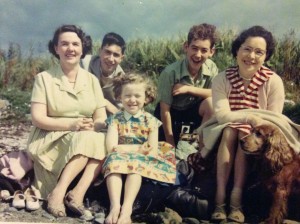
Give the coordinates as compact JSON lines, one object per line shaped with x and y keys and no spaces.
{"x":82,"y":124}
{"x":255,"y":121}
{"x":87,"y":124}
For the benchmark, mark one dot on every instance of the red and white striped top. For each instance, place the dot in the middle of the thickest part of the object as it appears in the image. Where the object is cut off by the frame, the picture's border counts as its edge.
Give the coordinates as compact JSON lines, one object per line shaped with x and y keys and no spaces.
{"x":241,"y":98}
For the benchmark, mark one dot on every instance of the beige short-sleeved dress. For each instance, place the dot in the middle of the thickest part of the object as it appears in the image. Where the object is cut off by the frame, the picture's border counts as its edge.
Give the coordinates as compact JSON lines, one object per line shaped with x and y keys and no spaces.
{"x":51,"y":150}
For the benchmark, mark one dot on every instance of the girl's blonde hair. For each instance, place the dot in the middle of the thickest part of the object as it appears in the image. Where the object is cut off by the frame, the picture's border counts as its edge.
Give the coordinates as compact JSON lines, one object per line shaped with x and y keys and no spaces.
{"x":134,"y":78}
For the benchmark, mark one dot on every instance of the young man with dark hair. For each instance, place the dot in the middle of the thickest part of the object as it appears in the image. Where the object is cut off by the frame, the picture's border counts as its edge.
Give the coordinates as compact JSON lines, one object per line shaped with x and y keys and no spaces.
{"x":106,"y":66}
{"x":184,"y":86}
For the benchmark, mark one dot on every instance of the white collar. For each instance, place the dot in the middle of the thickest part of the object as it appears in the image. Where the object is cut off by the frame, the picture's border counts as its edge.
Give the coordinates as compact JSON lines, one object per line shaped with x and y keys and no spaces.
{"x":128,"y":115}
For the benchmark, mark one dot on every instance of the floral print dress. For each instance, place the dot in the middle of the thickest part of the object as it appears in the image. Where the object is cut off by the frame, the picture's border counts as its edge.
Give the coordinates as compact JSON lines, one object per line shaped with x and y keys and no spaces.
{"x":135,"y":130}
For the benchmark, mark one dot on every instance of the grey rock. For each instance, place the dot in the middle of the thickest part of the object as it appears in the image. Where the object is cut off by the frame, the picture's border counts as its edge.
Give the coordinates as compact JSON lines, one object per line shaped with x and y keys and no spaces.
{"x":87,"y":216}
{"x":11,"y":209}
{"x":48,"y":216}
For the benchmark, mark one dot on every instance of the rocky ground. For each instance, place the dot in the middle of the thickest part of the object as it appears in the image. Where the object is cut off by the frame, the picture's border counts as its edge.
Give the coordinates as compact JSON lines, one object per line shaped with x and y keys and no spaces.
{"x":13,"y":137}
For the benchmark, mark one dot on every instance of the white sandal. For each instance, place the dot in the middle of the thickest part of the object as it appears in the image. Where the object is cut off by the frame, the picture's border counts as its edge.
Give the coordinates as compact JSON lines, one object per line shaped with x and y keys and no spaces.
{"x":219,"y":213}
{"x":236,"y":214}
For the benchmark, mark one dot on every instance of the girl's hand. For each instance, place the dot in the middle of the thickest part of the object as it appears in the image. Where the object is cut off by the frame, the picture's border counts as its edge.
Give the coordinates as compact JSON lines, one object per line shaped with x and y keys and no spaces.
{"x":126,"y":148}
{"x":145,"y":148}
{"x":100,"y":126}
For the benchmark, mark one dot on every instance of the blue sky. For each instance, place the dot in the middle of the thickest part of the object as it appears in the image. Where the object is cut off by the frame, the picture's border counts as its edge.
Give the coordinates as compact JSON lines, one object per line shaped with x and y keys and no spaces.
{"x":32,"y":22}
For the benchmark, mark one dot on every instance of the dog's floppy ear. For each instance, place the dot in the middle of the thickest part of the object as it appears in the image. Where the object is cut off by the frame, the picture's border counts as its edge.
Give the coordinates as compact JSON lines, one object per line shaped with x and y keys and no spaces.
{"x":278,"y":152}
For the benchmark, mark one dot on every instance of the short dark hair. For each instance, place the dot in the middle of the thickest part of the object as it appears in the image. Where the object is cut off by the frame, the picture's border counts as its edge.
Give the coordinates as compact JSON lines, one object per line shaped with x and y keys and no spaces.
{"x":85,"y":39}
{"x":254,"y":31}
{"x":114,"y":38}
{"x":203,"y":31}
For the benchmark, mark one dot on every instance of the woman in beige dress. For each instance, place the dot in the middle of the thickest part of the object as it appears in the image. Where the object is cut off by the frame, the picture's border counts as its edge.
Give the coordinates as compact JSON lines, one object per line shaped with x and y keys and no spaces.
{"x":67,"y":108}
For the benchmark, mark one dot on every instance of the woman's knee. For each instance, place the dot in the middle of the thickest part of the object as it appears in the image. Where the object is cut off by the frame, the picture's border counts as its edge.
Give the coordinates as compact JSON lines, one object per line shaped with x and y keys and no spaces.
{"x":230,"y":134}
{"x":79,"y":157}
{"x":206,"y":108}
{"x":229,"y":140}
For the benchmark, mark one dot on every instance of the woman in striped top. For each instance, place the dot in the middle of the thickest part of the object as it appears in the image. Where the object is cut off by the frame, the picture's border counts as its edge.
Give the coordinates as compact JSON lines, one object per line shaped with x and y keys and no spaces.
{"x":247,"y":85}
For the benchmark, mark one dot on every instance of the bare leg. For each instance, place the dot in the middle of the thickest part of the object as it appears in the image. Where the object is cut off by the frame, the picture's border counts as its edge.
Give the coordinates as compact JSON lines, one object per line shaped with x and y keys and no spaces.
{"x":114,"y":186}
{"x":132,"y":187}
{"x":236,"y":212}
{"x":71,"y":170}
{"x":206,"y":109}
{"x":225,"y":158}
{"x":239,"y":175}
{"x":240,"y":166}
{"x":91,"y":171}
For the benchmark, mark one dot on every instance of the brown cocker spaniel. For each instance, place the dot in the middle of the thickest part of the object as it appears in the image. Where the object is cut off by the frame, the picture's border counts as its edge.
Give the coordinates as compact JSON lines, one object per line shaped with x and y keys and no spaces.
{"x":280,"y":167}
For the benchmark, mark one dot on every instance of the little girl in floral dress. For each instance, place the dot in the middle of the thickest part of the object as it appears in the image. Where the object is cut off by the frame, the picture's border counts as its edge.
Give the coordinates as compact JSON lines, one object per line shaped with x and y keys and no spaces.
{"x":134,"y":150}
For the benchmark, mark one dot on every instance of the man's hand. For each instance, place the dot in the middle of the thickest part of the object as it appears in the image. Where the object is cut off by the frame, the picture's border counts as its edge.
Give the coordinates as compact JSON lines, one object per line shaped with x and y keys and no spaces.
{"x":180,"y":89}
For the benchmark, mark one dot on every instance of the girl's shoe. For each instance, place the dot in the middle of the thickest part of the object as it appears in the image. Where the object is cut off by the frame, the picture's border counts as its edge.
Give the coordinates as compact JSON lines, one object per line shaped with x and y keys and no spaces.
{"x":32,"y":201}
{"x":219,"y":213}
{"x":18,"y":200}
{"x":236,"y":214}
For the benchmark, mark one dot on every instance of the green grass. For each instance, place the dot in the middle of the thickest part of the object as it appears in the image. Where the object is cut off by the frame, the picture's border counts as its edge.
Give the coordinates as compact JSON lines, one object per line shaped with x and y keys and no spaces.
{"x":149,"y":56}
{"x":19,"y":100}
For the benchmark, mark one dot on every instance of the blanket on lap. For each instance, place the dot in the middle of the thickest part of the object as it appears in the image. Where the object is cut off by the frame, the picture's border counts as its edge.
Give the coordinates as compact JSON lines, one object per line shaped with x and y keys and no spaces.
{"x":211,"y":130}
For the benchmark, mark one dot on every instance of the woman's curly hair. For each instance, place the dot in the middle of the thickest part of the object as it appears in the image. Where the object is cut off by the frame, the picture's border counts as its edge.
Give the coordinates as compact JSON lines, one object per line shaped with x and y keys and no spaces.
{"x":85,"y":39}
{"x":134,"y":78}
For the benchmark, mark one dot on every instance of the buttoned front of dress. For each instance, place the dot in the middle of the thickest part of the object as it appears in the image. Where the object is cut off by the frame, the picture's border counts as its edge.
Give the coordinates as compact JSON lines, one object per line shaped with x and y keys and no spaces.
{"x":63,"y":100}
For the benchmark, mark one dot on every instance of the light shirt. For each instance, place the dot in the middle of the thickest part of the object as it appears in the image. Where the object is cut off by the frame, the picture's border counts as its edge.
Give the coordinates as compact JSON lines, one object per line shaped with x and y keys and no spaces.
{"x":178,"y":73}
{"x":92,"y":64}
